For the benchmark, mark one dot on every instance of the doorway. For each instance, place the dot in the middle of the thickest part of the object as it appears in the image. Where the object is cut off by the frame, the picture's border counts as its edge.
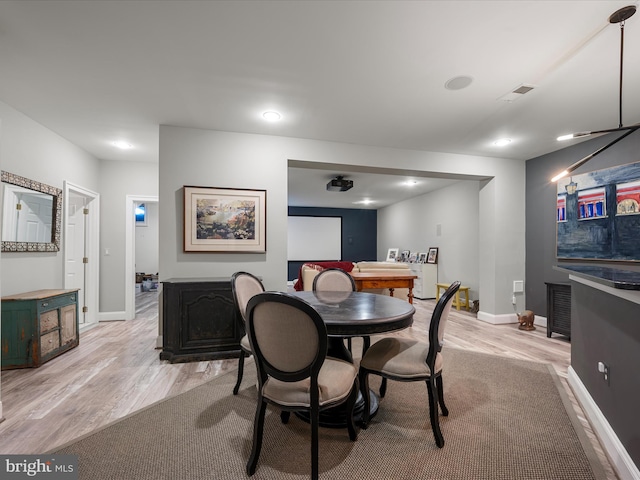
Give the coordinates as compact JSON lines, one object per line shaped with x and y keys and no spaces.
{"x":81,"y":250}
{"x":130,"y":251}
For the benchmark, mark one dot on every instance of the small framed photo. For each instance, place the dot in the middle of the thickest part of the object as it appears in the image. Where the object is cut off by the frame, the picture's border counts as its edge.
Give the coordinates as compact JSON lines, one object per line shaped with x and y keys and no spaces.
{"x":224,"y":220}
{"x":413,"y":258}
{"x":422,"y":257}
{"x":404,"y":256}
{"x":392,"y":255}
{"x":141,"y":215}
{"x":432,"y":256}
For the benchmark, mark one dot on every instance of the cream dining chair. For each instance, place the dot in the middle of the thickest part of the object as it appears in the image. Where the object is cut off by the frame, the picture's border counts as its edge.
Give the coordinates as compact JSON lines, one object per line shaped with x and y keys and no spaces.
{"x":244,"y":286}
{"x":289,"y":342}
{"x":409,"y":360}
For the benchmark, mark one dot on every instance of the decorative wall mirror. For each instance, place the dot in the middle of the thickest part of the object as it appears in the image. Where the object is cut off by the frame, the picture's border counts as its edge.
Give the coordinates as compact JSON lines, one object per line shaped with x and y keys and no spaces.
{"x":31,"y":215}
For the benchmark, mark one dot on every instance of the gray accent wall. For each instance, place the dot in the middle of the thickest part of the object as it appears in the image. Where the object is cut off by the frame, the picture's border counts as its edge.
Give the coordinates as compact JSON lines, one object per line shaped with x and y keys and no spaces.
{"x":541,"y":210}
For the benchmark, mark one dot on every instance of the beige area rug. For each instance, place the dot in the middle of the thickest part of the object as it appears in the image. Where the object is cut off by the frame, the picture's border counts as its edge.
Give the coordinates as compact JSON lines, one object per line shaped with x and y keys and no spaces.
{"x":508,"y":420}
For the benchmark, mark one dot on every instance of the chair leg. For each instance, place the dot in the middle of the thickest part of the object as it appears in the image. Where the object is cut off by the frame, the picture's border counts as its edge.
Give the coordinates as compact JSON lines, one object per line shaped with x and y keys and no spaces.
{"x":284,"y":416}
{"x":258,"y":428}
{"x":364,"y":389}
{"x":240,"y":372}
{"x":315,"y":420}
{"x":433,"y":412}
{"x":366,"y":344}
{"x":349,"y":344}
{"x":443,"y":407}
{"x":383,"y":388}
{"x":351,"y":403}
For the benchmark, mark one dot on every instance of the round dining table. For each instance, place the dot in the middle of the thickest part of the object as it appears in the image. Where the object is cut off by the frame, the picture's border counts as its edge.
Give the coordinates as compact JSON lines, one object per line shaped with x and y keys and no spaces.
{"x":355,"y":314}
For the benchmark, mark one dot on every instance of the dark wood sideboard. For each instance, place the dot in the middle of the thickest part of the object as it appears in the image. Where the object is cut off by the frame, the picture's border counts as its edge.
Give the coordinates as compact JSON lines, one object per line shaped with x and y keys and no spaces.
{"x":199,"y":320}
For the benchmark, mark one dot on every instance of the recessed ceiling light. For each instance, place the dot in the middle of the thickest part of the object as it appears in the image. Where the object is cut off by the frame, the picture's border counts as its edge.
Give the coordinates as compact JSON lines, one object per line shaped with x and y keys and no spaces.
{"x":122,"y":145}
{"x":271,"y":116}
{"x":458,"y":83}
{"x":366,"y":201}
{"x":502,"y":142}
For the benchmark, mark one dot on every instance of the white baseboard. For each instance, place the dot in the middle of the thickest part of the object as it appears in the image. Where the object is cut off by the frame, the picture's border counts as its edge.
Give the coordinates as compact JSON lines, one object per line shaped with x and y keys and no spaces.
{"x":111,"y":316}
{"x":1,"y":416}
{"x":618,"y":456}
{"x":540,"y":321}
{"x":505,"y":318}
{"x":159,"y":341}
{"x":494,"y":319}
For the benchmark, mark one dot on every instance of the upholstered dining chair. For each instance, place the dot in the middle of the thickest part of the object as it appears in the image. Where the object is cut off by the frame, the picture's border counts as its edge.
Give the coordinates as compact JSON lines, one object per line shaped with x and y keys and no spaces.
{"x":289,"y":342}
{"x":337,"y":280}
{"x":244,"y":286}
{"x":409,"y":360}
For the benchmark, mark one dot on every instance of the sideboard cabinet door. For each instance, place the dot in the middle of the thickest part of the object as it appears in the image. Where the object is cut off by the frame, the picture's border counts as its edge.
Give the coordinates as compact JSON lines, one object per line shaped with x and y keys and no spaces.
{"x":199,"y":320}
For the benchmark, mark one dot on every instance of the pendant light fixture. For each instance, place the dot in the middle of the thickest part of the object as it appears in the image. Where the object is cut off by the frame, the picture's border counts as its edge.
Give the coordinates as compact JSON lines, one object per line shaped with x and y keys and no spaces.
{"x":619,"y":16}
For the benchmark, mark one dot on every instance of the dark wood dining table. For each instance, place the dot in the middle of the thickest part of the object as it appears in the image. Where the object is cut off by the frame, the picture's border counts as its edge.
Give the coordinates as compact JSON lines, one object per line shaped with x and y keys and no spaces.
{"x":355,"y":314}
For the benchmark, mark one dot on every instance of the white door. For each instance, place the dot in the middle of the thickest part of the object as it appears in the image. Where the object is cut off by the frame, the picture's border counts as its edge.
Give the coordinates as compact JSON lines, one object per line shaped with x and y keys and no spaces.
{"x":76,"y":249}
{"x":81,"y":249}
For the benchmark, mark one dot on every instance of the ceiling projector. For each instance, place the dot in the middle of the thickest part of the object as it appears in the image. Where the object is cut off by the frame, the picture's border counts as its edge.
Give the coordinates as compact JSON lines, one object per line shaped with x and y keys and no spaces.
{"x":339,"y":184}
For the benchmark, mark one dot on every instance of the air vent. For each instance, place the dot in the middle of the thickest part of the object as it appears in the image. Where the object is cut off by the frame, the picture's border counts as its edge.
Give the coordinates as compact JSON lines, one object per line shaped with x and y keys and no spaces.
{"x":517,"y":93}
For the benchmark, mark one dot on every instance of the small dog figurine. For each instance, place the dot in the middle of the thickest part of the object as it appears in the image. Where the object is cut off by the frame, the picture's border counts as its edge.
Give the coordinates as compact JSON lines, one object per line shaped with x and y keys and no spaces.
{"x":476,"y":306}
{"x":525,"y":319}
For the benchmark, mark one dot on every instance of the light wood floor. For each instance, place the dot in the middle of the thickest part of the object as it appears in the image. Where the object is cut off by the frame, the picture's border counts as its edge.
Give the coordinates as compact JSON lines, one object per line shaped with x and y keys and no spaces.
{"x":116,"y":370}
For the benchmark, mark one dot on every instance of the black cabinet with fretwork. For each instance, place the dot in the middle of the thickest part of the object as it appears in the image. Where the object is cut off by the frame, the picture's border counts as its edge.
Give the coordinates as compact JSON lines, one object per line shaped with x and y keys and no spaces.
{"x":559,"y":309}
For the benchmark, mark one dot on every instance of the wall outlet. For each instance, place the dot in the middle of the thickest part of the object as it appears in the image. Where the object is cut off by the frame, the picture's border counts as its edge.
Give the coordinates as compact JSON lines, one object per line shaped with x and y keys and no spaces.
{"x":603,"y":368}
{"x":513,"y":300}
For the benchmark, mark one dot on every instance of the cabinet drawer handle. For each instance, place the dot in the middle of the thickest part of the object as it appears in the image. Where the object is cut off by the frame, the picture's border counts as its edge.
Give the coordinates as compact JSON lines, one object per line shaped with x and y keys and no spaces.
{"x":45,"y":304}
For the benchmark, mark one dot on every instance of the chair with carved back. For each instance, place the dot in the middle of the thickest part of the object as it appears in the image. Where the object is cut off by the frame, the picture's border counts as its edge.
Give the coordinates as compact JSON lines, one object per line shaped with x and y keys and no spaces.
{"x":289,"y":342}
{"x":244,"y":286}
{"x":337,"y":280}
{"x":409,"y":360}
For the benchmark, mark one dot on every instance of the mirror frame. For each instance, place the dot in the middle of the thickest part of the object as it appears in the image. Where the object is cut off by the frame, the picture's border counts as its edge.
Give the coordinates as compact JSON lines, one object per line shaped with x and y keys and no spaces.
{"x":24,"y":182}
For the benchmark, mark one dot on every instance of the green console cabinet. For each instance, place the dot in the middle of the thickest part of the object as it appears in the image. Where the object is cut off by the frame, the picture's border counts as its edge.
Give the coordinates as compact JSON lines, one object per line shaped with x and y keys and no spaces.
{"x":38,"y":326}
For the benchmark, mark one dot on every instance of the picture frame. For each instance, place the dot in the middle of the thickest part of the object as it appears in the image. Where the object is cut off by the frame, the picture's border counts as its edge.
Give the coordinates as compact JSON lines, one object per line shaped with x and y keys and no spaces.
{"x":392,"y":254}
{"x":404,"y":256}
{"x":432,"y":255}
{"x":231,"y":220}
{"x":140,"y":213}
{"x":413,"y":258}
{"x":422,"y":257}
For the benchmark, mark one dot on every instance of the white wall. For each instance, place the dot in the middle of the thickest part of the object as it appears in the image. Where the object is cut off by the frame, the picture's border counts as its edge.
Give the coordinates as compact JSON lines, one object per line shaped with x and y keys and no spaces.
{"x":413,"y":225}
{"x":31,"y":150}
{"x":117,"y":180}
{"x":147,"y":241}
{"x":223,"y":159}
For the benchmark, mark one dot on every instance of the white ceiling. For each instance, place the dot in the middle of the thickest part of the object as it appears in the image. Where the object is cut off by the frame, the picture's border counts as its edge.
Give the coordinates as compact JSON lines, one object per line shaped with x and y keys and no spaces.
{"x":370,"y":73}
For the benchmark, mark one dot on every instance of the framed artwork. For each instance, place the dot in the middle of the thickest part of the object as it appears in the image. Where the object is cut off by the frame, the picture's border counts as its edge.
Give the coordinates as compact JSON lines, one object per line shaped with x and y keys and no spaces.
{"x":422,"y":258}
{"x":141,"y":215}
{"x":598,"y":215}
{"x":413,"y":258}
{"x":225,"y":220}
{"x":432,"y":255}
{"x":392,"y":255}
